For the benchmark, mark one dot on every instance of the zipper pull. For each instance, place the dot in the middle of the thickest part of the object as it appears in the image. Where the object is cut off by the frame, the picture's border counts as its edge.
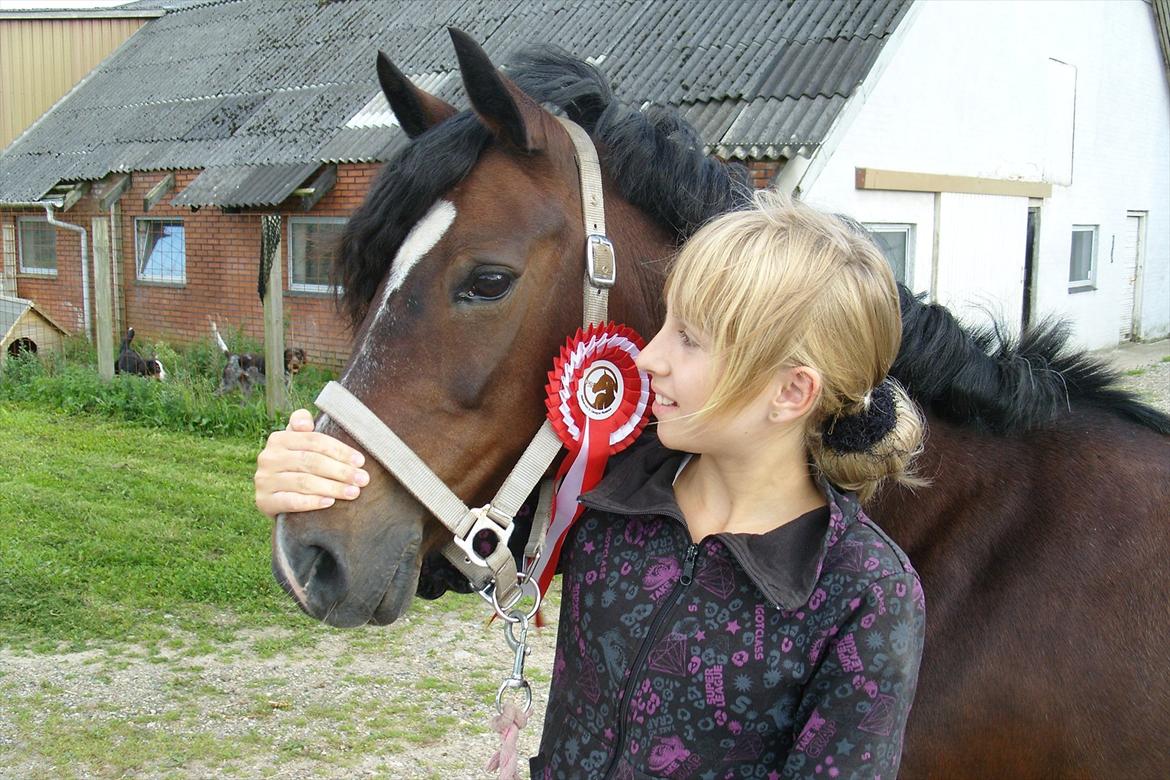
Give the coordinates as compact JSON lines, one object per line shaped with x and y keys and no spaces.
{"x":688,"y":572}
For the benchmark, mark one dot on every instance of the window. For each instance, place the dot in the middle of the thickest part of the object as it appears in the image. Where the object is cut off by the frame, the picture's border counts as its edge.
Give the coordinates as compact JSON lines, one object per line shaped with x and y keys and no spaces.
{"x":897,"y":244}
{"x":161,"y":249}
{"x":312,"y":242}
{"x":38,"y":246}
{"x":1082,"y":263}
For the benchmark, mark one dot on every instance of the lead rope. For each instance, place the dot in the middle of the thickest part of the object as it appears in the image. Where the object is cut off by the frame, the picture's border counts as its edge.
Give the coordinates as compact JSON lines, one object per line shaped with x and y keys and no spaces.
{"x":510,"y":718}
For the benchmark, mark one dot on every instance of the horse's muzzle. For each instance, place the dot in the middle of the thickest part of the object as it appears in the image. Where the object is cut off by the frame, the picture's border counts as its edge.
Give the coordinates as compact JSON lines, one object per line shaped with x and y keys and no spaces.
{"x":321,"y":571}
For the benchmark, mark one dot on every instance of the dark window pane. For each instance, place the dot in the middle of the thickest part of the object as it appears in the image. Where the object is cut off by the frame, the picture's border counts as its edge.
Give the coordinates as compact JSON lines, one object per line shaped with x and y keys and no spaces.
{"x":893,"y":244}
{"x":38,"y":246}
{"x":313,"y":246}
{"x":1080,"y":264}
{"x":162,"y":253}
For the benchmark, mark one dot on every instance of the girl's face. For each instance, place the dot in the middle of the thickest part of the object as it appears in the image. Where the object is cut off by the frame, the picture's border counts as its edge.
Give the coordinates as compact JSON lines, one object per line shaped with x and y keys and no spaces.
{"x":682,"y":374}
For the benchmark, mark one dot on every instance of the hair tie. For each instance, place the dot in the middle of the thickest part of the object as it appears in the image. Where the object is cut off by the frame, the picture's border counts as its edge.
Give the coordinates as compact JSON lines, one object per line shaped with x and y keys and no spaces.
{"x":847,"y":434}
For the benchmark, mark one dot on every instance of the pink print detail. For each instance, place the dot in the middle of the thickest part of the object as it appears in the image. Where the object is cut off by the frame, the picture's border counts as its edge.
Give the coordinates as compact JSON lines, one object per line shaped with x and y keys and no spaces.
{"x":868,"y":620}
{"x":818,"y":598}
{"x":740,"y":658}
{"x":717,"y":577}
{"x":786,"y":645}
{"x":660,"y":576}
{"x":666,"y":755}
{"x":694,"y":665}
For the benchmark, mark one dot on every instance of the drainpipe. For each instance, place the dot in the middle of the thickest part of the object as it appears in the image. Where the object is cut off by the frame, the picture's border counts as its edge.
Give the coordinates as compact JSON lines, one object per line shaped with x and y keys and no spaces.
{"x":84,"y":263}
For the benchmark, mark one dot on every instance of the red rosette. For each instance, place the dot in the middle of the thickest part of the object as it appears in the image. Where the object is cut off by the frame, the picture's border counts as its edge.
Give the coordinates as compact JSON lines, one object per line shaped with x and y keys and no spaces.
{"x":598,"y":403}
{"x":594,"y":376}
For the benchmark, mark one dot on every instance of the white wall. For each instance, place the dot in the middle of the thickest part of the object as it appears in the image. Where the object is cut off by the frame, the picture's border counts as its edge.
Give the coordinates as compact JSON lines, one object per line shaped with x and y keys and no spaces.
{"x":986,"y":89}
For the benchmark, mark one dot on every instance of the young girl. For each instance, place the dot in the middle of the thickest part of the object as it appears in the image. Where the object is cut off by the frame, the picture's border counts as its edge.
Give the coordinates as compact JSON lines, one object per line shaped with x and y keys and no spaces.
{"x":728,"y":610}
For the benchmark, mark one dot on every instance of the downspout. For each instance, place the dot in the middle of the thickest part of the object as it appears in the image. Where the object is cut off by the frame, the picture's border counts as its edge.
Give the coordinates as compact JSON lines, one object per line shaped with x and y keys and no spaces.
{"x":84,"y":263}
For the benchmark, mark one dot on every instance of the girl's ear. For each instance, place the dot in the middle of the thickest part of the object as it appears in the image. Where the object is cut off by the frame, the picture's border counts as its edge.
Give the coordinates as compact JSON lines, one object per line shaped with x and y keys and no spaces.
{"x":799,"y":389}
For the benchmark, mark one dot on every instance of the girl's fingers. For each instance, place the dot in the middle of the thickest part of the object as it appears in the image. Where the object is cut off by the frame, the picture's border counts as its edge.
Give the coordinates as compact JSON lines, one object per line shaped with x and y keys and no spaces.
{"x":280,"y":442}
{"x":297,"y":502}
{"x":312,"y":485}
{"x":308,"y":462}
{"x":300,"y":420}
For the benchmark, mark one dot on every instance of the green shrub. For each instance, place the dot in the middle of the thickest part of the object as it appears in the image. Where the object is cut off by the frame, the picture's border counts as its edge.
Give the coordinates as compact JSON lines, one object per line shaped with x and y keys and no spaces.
{"x":68,"y":381}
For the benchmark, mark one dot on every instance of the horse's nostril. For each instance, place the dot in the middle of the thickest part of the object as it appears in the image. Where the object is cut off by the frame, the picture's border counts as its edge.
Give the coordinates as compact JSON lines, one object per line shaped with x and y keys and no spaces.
{"x":325,"y":569}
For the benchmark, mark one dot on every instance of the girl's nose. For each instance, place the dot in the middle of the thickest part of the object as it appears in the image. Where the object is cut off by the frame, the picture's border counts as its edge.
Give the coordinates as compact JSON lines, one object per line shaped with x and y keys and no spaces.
{"x":647,"y":360}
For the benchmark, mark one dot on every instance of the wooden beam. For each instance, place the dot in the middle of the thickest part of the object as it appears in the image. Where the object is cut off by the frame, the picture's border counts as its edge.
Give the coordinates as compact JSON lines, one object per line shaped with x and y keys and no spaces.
{"x":274,"y":390}
{"x":115,"y":190}
{"x":158,"y":192}
{"x":906,"y":181}
{"x":76,"y":193}
{"x":319,"y":188}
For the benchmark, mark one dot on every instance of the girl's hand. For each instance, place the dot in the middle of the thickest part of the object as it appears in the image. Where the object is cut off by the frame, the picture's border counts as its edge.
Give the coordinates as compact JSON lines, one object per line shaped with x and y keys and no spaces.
{"x":300,"y":469}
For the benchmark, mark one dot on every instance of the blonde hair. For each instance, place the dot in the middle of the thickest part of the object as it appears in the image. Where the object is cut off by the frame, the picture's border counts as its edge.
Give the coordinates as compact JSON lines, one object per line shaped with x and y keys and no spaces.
{"x":782,"y":284}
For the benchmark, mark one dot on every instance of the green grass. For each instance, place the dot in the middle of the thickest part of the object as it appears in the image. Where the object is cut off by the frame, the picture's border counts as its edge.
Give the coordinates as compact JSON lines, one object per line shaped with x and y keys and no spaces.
{"x":109,"y":530}
{"x":1135,"y":372}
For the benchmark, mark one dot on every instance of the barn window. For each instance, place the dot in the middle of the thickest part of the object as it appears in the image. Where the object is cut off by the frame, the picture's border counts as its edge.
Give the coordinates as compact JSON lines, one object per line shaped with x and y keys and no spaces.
{"x":161,"y":250}
{"x":1082,"y":263}
{"x":38,"y":247}
{"x":312,"y":242}
{"x":897,"y":244}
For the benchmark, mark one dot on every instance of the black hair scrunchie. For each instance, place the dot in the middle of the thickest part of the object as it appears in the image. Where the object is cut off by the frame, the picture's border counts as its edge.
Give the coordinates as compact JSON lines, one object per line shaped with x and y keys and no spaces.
{"x":852,"y":433}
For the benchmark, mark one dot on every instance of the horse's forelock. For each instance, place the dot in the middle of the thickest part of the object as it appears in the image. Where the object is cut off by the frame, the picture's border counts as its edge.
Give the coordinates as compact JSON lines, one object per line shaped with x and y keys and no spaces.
{"x":407,"y":187}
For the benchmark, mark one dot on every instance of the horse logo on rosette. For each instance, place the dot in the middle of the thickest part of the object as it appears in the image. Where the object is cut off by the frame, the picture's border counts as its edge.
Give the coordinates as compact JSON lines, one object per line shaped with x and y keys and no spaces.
{"x":600,"y":390}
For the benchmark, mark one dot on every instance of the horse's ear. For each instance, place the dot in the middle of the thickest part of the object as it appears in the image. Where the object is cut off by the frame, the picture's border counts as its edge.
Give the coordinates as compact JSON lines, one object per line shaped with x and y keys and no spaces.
{"x":511,"y":115}
{"x":417,"y":111}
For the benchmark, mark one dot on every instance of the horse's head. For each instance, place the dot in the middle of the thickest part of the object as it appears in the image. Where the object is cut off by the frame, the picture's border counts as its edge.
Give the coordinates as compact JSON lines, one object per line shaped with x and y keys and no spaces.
{"x":463,"y":273}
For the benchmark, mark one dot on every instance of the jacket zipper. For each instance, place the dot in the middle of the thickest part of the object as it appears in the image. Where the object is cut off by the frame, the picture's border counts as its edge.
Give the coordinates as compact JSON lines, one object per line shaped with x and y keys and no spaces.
{"x":668,"y":605}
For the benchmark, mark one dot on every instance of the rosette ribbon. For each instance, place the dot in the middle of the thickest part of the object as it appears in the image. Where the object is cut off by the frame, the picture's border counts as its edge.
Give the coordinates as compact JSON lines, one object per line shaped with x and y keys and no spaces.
{"x":598,"y":402}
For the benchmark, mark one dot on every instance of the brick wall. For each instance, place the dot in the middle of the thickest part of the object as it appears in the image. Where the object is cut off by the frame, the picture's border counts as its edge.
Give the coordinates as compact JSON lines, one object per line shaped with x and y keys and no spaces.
{"x":762,"y":172}
{"x":222,"y":265}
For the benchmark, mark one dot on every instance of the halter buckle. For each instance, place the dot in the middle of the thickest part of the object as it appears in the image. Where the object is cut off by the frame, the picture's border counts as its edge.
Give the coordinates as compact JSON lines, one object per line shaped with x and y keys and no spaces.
{"x":600,"y":262}
{"x":485,"y":518}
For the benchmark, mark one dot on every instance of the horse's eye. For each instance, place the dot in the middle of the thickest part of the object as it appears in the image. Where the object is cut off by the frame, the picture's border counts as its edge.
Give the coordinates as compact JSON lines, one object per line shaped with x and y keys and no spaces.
{"x":487,"y":286}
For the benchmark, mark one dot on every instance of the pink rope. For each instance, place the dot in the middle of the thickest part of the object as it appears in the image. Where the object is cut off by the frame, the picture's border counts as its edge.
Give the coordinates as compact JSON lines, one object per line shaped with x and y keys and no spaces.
{"x":508,"y":724}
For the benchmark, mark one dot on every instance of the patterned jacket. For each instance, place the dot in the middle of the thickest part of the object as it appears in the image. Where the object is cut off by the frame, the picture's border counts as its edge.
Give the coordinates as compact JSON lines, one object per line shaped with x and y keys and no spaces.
{"x":788,"y":654}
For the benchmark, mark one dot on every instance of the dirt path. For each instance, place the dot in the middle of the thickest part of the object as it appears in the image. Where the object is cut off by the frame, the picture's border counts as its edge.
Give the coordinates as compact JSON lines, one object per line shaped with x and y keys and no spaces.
{"x":403,"y":702}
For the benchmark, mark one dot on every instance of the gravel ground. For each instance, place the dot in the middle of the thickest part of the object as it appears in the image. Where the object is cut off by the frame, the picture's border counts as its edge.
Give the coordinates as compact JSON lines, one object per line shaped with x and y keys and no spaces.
{"x":412,"y":700}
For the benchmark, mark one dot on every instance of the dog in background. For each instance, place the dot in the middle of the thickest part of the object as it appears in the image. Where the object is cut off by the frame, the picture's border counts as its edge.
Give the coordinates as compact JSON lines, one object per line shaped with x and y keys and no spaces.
{"x":245,"y":371}
{"x":130,"y":362}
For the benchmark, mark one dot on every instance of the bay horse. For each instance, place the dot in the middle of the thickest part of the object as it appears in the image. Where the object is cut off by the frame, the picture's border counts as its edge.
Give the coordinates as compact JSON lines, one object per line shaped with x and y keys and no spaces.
{"x":1041,"y":541}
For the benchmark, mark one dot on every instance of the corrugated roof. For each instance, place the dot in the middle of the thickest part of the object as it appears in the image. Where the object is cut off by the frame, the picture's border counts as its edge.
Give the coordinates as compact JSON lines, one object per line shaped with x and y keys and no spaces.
{"x":245,"y":185}
{"x":235,"y":84}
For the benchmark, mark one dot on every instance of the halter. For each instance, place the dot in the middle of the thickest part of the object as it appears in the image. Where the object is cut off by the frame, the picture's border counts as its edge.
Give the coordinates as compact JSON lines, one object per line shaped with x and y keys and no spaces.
{"x":493,"y":576}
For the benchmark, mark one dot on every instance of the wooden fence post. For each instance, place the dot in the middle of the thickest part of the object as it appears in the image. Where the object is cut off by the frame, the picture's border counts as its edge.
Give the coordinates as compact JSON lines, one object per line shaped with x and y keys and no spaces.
{"x":274,"y":390}
{"x":103,"y":303}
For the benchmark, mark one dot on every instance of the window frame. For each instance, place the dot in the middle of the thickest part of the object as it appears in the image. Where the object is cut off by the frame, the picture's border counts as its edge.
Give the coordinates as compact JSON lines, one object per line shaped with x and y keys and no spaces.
{"x":1082,"y":285}
{"x":20,"y":265}
{"x":907,"y":228}
{"x":138,"y":259}
{"x":305,"y":287}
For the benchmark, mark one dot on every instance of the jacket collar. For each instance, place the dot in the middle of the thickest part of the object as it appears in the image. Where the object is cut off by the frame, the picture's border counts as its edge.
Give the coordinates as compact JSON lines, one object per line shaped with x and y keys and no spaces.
{"x":784,"y":563}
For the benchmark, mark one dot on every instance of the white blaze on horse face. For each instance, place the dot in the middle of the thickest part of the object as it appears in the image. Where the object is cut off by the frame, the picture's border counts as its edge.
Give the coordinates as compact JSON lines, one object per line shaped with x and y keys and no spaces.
{"x":420,"y":240}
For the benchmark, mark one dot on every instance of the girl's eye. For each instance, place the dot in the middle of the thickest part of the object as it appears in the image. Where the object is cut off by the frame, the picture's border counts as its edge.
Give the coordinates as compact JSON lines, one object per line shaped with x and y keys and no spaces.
{"x":686,"y":340}
{"x":486,"y":286}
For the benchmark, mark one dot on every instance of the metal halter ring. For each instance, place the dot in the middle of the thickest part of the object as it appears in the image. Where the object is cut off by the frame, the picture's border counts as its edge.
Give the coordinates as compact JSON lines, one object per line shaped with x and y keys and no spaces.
{"x":507,"y":612}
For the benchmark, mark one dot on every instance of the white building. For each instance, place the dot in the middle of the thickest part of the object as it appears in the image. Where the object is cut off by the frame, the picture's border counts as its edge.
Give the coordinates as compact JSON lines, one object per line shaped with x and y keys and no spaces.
{"x":1015,"y":159}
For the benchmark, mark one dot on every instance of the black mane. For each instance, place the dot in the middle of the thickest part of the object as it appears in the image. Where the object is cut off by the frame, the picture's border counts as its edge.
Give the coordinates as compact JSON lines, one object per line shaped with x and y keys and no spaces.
{"x":980,"y":377}
{"x":987,"y":378}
